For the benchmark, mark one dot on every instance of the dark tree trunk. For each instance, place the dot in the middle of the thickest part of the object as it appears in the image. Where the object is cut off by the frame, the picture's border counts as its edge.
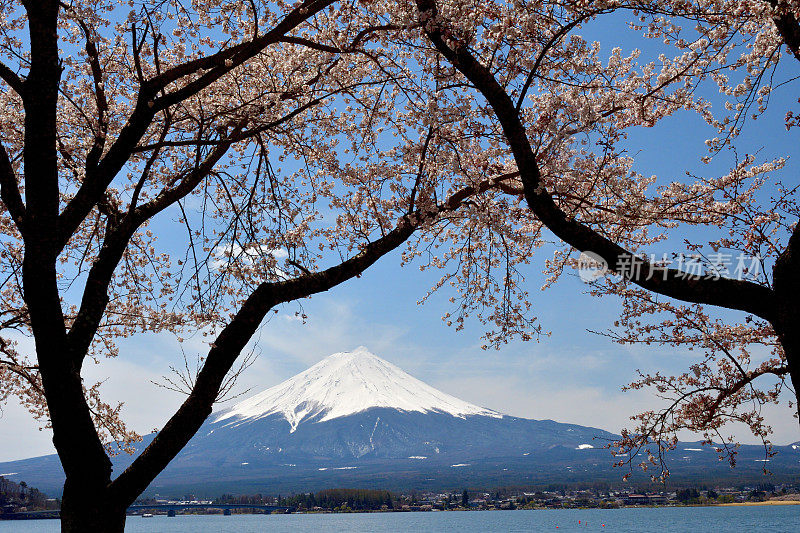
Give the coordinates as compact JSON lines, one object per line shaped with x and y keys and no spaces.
{"x":89,"y":510}
{"x":788,"y":330}
{"x":786,"y":314}
{"x":86,"y":505}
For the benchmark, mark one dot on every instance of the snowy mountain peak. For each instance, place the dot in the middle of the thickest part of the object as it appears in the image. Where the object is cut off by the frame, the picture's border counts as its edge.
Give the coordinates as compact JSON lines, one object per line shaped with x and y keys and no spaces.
{"x":346,"y":383}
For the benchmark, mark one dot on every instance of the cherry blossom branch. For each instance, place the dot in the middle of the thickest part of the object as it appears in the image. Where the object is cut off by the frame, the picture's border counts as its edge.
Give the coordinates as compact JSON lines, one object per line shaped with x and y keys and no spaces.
{"x":13,"y":364}
{"x":95,"y":296}
{"x":226,"y":60}
{"x":242,"y":134}
{"x":99,"y":143}
{"x":225,"y":350}
{"x":99,"y":176}
{"x":695,"y":410}
{"x":746,"y":379}
{"x":362,"y":35}
{"x":233,"y":337}
{"x":787,"y":26}
{"x":733,"y":294}
{"x":557,"y":36}
{"x":12,"y":79}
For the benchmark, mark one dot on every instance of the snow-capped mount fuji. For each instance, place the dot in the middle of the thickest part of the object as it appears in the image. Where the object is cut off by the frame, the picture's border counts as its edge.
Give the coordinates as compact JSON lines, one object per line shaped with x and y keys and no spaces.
{"x":355,"y":407}
{"x":355,"y":420}
{"x":344,"y":384}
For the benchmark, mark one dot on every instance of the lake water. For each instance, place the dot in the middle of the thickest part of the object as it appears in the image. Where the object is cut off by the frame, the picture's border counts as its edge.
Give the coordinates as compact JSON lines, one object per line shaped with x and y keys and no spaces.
{"x":773,"y":519}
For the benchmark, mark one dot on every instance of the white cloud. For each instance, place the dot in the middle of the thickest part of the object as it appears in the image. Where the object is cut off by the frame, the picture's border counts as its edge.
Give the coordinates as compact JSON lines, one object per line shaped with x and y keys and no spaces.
{"x":20,"y":435}
{"x":223,"y":253}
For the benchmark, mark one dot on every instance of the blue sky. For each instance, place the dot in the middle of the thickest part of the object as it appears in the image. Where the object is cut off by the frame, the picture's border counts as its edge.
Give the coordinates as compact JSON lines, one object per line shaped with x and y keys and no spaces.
{"x":571,"y":376}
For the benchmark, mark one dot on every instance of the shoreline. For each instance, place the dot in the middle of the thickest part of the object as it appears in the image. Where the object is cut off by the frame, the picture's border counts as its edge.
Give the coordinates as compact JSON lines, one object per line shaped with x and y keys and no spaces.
{"x":749,"y":504}
{"x":48,"y":515}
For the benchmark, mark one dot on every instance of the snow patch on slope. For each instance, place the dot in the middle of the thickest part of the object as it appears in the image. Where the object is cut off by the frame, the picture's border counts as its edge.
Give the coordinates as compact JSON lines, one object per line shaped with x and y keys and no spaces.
{"x":346,"y":383}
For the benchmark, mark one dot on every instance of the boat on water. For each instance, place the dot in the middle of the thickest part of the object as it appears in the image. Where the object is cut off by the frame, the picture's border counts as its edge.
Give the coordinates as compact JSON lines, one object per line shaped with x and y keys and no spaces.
{"x":147,"y":515}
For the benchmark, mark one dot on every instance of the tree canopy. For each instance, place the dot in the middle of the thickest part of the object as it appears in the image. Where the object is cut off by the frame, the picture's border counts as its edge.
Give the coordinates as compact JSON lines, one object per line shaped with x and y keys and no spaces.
{"x":188,"y":166}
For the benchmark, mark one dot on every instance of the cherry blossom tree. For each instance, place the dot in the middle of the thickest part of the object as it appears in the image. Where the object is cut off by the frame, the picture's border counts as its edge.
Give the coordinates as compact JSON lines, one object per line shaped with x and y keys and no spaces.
{"x":188,"y":167}
{"x":287,"y":144}
{"x":561,"y":112}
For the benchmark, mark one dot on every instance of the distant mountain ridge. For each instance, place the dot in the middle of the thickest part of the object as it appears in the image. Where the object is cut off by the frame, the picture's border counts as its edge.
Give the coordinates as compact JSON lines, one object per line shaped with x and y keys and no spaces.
{"x":355,"y":420}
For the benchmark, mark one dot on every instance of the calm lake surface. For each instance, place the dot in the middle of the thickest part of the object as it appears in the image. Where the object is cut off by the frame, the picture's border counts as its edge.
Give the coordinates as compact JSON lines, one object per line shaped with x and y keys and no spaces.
{"x":775,"y":519}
